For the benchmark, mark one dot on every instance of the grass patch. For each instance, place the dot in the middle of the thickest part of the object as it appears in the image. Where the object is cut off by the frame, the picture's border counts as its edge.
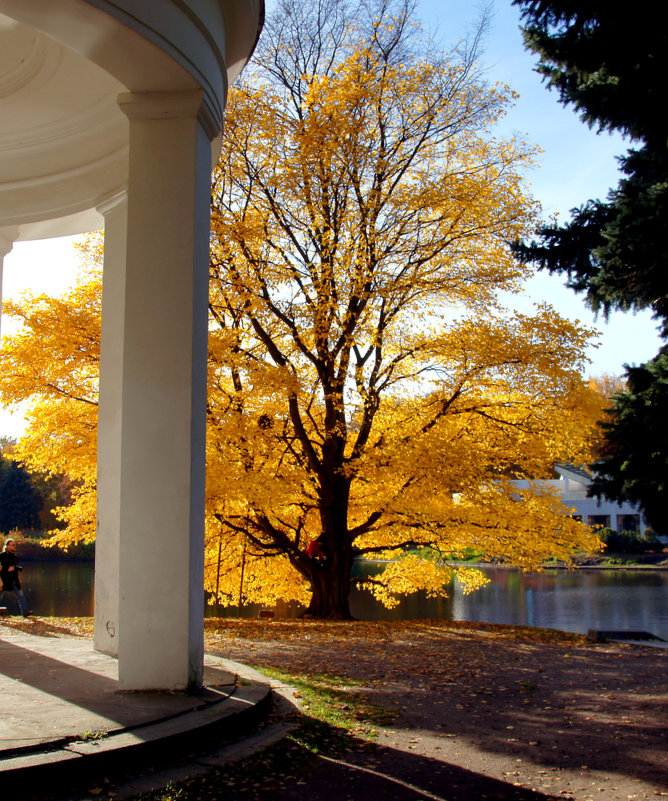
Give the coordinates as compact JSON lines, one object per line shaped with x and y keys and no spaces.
{"x":89,"y":736}
{"x":331,"y":702}
{"x":171,"y":793}
{"x":335,"y":719}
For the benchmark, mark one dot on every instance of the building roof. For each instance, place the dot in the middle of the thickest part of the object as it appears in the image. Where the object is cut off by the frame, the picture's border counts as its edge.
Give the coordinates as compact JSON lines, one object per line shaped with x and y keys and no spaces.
{"x":574,"y":472}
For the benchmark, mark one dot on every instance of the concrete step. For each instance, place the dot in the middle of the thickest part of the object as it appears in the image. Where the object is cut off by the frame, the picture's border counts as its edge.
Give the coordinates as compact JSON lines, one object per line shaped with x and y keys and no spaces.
{"x":67,"y":723}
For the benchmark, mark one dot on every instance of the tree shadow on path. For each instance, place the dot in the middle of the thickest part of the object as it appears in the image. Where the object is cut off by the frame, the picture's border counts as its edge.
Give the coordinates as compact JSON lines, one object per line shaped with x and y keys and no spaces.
{"x":598,"y":708}
{"x":387,"y":773}
{"x":490,"y":698}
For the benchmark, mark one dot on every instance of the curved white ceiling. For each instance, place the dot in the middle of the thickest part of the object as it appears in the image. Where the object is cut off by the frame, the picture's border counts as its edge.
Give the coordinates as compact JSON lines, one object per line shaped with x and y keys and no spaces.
{"x":63,"y":138}
{"x":62,"y":135}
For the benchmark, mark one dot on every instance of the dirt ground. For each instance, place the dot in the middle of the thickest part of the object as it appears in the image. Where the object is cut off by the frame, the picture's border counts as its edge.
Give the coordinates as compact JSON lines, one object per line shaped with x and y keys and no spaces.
{"x":482,"y":711}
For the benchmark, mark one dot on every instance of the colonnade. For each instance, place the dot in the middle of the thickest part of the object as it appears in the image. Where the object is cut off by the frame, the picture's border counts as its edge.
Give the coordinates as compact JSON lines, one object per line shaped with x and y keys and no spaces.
{"x":144,"y":172}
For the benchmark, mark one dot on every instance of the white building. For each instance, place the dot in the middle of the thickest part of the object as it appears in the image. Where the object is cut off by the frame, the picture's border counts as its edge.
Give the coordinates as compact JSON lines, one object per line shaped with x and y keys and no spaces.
{"x":572,"y":486}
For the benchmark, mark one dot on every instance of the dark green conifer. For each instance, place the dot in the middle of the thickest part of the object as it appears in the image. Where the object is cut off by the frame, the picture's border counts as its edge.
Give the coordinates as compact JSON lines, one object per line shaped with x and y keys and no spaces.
{"x":609,"y":61}
{"x":19,"y":502}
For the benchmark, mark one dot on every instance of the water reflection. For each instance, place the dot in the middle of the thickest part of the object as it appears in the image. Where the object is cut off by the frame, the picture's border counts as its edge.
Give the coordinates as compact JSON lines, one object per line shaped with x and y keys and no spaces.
{"x":571,"y":601}
{"x":59,"y":589}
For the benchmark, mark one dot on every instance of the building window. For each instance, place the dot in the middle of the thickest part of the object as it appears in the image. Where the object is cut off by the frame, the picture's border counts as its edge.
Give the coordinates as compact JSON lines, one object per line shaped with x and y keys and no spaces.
{"x":599,"y":521}
{"x":628,"y":523}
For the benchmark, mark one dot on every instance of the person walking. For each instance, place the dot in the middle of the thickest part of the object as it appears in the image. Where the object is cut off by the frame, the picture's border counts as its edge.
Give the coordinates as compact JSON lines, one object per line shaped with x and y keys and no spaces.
{"x":9,"y":576}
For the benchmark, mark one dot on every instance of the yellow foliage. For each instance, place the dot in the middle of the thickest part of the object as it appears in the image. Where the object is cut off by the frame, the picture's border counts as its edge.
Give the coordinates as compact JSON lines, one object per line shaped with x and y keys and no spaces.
{"x":413,"y":573}
{"x":470,"y":578}
{"x":367,"y":385}
{"x":407,"y":575}
{"x":52,"y":363}
{"x":607,"y":384}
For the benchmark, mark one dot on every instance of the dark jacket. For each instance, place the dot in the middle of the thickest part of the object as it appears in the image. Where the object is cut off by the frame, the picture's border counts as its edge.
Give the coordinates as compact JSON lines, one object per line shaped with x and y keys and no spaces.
{"x":10,"y":580}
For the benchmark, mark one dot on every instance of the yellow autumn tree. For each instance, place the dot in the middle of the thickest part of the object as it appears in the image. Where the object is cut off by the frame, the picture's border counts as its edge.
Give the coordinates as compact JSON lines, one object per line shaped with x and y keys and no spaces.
{"x":368,"y":391}
{"x":607,"y":384}
{"x":52,"y":364}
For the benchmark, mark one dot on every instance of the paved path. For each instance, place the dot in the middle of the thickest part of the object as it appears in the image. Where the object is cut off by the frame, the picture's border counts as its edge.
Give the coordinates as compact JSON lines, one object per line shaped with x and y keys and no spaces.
{"x":63,"y":716}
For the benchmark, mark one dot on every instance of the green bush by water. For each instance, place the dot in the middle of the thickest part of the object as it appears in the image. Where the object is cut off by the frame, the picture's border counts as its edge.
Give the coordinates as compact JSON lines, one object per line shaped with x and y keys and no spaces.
{"x":31,"y":546}
{"x":628,"y":541}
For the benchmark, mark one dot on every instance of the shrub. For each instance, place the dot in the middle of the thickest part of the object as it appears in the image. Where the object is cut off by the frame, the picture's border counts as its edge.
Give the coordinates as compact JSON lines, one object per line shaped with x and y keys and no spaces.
{"x":626,"y":541}
{"x":31,"y":547}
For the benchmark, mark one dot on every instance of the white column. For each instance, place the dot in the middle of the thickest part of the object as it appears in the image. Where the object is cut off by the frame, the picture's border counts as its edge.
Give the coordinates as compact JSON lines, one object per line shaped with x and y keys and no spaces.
{"x":163,"y":393}
{"x":6,"y":244}
{"x":109,"y":419}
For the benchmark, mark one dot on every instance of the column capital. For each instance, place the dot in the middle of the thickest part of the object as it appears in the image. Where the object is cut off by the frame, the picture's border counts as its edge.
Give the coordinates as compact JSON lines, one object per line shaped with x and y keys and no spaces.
{"x":7,"y":237}
{"x":170,"y":105}
{"x":112,"y":202}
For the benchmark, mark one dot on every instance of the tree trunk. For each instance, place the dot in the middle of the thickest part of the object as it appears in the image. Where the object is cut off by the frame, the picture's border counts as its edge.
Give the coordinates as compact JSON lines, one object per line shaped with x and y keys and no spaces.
{"x":331,"y":593}
{"x":330,"y":578}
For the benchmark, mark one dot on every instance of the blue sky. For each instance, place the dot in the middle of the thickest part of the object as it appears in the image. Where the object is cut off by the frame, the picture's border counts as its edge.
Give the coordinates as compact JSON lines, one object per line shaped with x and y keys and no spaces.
{"x":576,"y":164}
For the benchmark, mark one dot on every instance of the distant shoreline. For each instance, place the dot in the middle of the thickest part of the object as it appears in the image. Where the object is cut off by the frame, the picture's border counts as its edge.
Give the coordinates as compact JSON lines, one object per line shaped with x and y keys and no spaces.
{"x":58,"y":557}
{"x":645,"y":561}
{"x":653,"y":562}
{"x":576,"y":566}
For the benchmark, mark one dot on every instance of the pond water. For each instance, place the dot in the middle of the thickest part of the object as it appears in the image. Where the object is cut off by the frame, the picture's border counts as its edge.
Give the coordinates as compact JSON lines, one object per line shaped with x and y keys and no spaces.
{"x":571,"y":601}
